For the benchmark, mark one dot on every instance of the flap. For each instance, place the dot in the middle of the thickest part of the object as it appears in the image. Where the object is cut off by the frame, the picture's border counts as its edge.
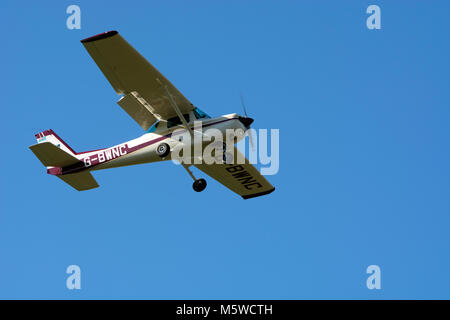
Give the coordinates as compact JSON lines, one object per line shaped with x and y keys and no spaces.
{"x":137,"y":108}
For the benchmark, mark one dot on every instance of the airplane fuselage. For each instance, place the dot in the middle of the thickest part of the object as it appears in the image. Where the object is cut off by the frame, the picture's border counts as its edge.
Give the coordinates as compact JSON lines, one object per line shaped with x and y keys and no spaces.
{"x":143,"y":149}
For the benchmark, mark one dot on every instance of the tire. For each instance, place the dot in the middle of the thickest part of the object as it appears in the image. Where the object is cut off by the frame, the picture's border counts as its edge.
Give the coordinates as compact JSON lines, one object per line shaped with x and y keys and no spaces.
{"x":199,"y":185}
{"x":163,"y":150}
{"x":224,"y":155}
{"x":225,"y":158}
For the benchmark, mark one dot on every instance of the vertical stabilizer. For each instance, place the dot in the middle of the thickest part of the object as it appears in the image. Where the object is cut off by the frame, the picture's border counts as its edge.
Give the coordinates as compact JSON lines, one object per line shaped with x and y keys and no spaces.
{"x":50,"y":136}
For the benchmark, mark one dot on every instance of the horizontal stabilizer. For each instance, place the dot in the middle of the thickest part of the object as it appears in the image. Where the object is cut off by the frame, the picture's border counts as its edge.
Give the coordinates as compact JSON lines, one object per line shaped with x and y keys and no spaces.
{"x":80,"y":181}
{"x":52,"y":156}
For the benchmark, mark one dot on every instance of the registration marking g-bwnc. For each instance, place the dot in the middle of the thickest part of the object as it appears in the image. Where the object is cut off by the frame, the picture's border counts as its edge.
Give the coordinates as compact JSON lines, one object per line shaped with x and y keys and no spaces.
{"x":106,"y":155}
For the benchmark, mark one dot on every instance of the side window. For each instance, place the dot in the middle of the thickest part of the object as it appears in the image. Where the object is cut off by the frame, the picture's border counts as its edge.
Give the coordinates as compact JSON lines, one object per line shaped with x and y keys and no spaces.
{"x":175,"y":121}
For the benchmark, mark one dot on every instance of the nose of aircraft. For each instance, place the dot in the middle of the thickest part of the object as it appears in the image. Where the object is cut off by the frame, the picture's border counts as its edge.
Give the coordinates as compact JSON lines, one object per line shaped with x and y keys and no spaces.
{"x":246,"y":121}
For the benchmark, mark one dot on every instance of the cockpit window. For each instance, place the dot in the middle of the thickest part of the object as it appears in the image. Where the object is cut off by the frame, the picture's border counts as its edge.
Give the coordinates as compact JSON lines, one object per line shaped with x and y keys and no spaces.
{"x":199,"y":114}
{"x":175,"y":121}
{"x":153,"y":127}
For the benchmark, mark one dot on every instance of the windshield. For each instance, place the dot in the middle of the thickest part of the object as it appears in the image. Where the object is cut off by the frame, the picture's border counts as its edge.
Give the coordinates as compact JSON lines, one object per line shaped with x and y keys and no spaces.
{"x":199,"y":114}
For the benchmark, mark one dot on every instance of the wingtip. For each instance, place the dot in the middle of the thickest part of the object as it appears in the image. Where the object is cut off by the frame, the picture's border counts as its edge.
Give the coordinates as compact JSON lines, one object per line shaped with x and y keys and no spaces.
{"x":100,"y":36}
{"x":258,"y":194}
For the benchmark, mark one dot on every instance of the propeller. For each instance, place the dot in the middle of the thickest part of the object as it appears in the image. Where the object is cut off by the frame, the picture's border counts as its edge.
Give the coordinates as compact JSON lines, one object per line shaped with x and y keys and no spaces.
{"x":243,"y":105}
{"x":247,"y":122}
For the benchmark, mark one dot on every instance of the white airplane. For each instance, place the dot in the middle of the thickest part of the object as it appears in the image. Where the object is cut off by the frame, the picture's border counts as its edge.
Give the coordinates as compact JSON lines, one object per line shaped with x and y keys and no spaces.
{"x":162,"y":111}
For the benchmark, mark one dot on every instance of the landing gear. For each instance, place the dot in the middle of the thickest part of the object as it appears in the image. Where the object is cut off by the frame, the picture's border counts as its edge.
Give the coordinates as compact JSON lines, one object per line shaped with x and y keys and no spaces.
{"x":224,"y":152}
{"x":199,"y":185}
{"x":226,"y":157}
{"x":163,"y":150}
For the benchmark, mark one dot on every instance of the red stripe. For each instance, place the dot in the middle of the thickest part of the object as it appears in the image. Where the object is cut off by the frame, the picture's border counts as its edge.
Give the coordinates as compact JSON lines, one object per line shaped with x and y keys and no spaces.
{"x":129,"y":150}
{"x":148,"y":143}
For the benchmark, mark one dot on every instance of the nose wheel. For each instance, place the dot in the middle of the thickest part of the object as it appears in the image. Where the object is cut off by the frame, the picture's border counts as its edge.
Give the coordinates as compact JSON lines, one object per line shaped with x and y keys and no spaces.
{"x":199,"y":185}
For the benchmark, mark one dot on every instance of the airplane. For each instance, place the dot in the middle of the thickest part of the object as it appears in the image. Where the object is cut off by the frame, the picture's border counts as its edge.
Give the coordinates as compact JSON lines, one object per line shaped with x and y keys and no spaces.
{"x":161,"y":111}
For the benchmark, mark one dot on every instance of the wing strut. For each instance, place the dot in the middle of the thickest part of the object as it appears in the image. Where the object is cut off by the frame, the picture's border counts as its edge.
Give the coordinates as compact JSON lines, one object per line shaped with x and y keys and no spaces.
{"x":177,"y":110}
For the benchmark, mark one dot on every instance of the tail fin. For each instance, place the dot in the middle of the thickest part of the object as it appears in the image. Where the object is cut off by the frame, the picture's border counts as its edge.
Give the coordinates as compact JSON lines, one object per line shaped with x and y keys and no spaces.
{"x":55,"y":154}
{"x":52,"y":137}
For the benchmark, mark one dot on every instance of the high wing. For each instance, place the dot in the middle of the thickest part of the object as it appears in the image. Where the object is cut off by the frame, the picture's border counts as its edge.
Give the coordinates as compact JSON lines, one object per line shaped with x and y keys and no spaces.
{"x":130,"y":74}
{"x":243,"y":179}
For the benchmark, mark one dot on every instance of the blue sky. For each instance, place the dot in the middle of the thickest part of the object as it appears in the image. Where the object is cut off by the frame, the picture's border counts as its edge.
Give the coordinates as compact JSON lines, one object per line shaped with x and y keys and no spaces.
{"x":364,"y":153}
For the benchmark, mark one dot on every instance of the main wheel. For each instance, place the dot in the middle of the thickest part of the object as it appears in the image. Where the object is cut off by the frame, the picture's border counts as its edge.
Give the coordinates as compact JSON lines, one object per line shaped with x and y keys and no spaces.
{"x":227,"y":158}
{"x":199,"y":185}
{"x":163,"y":150}
{"x":224,"y":155}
